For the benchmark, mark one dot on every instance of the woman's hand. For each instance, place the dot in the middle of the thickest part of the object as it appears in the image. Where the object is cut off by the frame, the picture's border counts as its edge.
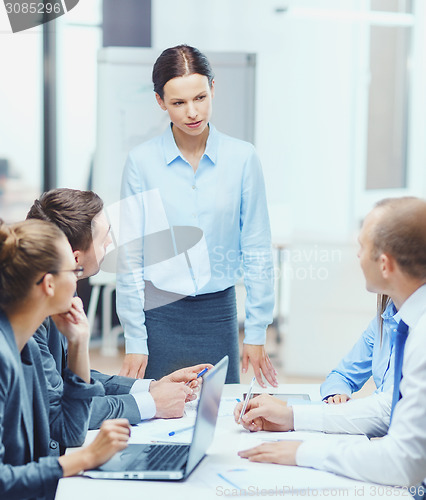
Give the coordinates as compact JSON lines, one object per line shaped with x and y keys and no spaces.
{"x":283,"y":453}
{"x":266,"y":413}
{"x":74,"y":324}
{"x":134,"y":365}
{"x":112,"y":437}
{"x":261,"y":363}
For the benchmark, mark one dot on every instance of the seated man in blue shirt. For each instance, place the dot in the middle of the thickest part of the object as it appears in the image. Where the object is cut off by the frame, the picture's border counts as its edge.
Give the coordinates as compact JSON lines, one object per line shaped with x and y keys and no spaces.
{"x":79,"y":214}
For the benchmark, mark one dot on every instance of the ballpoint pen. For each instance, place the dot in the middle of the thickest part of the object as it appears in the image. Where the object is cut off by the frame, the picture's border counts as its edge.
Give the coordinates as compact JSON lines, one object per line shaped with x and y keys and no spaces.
{"x":202,"y":372}
{"x":172,"y":433}
{"x":248,"y":395}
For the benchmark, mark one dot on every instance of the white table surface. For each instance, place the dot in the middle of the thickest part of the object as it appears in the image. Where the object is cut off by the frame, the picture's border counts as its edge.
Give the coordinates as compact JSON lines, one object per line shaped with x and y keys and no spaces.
{"x":222,"y":474}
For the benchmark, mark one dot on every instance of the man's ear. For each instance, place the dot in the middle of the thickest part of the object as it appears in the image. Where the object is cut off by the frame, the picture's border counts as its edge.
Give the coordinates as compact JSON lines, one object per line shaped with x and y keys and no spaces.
{"x":212,"y":88}
{"x":387,"y":265}
{"x":77,"y":256}
{"x":160,"y":102}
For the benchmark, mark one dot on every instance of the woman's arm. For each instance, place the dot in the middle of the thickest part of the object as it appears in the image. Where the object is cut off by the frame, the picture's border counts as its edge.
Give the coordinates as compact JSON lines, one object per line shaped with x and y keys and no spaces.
{"x":74,"y":325}
{"x":255,"y":242}
{"x":39,"y":479}
{"x":130,"y":282}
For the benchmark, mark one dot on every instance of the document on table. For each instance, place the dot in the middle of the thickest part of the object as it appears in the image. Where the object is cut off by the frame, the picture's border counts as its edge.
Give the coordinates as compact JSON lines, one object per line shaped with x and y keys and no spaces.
{"x":255,"y":479}
{"x":244,"y":478}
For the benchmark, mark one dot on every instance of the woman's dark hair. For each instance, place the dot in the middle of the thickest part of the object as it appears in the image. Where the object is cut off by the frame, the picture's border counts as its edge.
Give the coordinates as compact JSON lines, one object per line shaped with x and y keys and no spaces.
{"x":27,"y":250}
{"x":181,"y":60}
{"x":382,"y":303}
{"x":72,"y":211}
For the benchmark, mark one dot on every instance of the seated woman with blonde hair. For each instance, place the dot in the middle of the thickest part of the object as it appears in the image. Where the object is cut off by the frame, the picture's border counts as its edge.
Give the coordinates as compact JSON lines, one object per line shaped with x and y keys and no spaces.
{"x":38,"y":279}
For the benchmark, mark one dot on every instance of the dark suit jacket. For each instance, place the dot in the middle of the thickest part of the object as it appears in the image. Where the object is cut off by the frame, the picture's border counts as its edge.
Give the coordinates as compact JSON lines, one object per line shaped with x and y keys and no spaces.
{"x":30,"y":416}
{"x":116,"y":404}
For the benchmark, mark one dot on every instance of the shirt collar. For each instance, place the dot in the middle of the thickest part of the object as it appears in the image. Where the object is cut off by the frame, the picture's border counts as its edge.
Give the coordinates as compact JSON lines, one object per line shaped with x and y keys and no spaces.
{"x":390,"y":311}
{"x":413,"y":308}
{"x":212,"y":144}
{"x":172,"y":152}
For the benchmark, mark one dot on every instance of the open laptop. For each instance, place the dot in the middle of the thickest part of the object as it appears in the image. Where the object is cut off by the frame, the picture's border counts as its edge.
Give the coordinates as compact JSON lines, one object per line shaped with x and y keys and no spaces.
{"x":171,"y":461}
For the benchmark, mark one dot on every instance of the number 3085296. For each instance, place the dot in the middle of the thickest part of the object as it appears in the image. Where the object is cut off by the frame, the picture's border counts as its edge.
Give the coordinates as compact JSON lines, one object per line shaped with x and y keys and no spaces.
{"x":33,"y":8}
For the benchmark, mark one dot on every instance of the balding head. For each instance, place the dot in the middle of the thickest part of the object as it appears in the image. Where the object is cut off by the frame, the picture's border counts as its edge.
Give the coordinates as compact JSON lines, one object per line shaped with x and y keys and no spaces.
{"x":399,"y":230}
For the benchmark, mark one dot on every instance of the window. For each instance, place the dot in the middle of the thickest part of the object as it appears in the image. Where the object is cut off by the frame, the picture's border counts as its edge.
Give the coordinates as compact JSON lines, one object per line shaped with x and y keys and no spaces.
{"x":79,"y":36}
{"x":389,"y":96}
{"x":20,"y":121}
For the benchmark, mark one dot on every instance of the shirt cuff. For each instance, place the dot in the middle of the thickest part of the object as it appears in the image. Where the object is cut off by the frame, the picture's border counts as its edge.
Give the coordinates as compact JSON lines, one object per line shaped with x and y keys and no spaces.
{"x":308,"y":417}
{"x":327,"y":389}
{"x":140,"y":385}
{"x":146,"y":405}
{"x":255,"y":336}
{"x":136,"y":346}
{"x":311,"y":454}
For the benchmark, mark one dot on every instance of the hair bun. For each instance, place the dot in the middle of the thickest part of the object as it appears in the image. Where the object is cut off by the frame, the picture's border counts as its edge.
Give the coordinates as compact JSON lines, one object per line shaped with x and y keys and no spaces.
{"x":9,"y":243}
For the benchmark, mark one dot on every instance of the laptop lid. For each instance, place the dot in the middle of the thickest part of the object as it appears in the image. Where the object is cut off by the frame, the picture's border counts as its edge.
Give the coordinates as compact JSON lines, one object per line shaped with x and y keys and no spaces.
{"x":207,"y":412}
{"x":122,"y":464}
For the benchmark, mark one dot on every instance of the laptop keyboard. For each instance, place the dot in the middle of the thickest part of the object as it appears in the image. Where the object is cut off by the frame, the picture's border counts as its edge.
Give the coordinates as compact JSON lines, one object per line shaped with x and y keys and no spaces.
{"x":162,"y":457}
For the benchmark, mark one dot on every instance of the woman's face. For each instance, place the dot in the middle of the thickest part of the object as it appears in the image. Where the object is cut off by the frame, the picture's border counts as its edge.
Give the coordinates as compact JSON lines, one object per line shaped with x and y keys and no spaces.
{"x":188,"y":100}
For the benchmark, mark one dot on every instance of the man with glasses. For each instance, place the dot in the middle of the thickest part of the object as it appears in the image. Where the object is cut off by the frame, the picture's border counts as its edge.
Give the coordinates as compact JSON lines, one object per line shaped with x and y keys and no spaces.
{"x":79,"y":214}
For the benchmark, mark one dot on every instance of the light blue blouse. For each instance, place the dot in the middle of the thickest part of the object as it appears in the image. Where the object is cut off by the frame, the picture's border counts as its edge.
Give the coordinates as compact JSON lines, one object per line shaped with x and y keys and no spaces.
{"x":369,"y":356}
{"x":225,"y":198}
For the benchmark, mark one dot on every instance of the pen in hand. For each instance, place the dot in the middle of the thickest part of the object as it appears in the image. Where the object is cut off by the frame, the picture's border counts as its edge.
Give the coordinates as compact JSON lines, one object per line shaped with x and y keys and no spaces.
{"x":248,"y":396}
{"x":202,"y":372}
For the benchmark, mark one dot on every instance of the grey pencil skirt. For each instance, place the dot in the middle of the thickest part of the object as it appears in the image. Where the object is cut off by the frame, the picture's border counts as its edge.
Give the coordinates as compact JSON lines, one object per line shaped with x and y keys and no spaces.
{"x":192,"y":330}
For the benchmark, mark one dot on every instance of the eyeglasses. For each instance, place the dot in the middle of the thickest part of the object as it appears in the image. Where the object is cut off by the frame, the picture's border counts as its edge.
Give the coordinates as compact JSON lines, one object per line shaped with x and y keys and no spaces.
{"x":78,"y":272}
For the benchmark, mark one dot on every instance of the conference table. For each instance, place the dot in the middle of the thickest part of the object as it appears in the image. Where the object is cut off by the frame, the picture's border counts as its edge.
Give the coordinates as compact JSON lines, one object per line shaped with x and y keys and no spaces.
{"x":222,"y":473}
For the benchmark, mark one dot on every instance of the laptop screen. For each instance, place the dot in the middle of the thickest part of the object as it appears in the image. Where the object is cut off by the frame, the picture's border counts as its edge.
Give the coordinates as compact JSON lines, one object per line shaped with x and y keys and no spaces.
{"x":208,"y":408}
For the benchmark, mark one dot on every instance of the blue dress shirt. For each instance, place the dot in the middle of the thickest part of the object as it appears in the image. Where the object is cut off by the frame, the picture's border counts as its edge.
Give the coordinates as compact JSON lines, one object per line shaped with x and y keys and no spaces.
{"x":225,"y":198}
{"x":399,"y":458}
{"x":369,"y":356}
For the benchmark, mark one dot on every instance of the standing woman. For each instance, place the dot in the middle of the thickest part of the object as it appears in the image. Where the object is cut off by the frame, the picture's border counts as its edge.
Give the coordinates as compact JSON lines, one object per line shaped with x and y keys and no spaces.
{"x":37,"y":279}
{"x":193,"y":176}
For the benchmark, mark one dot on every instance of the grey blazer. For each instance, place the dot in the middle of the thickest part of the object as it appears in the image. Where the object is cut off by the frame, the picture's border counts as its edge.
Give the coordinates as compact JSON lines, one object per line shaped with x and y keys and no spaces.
{"x":116,"y":404}
{"x":29,"y":417}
